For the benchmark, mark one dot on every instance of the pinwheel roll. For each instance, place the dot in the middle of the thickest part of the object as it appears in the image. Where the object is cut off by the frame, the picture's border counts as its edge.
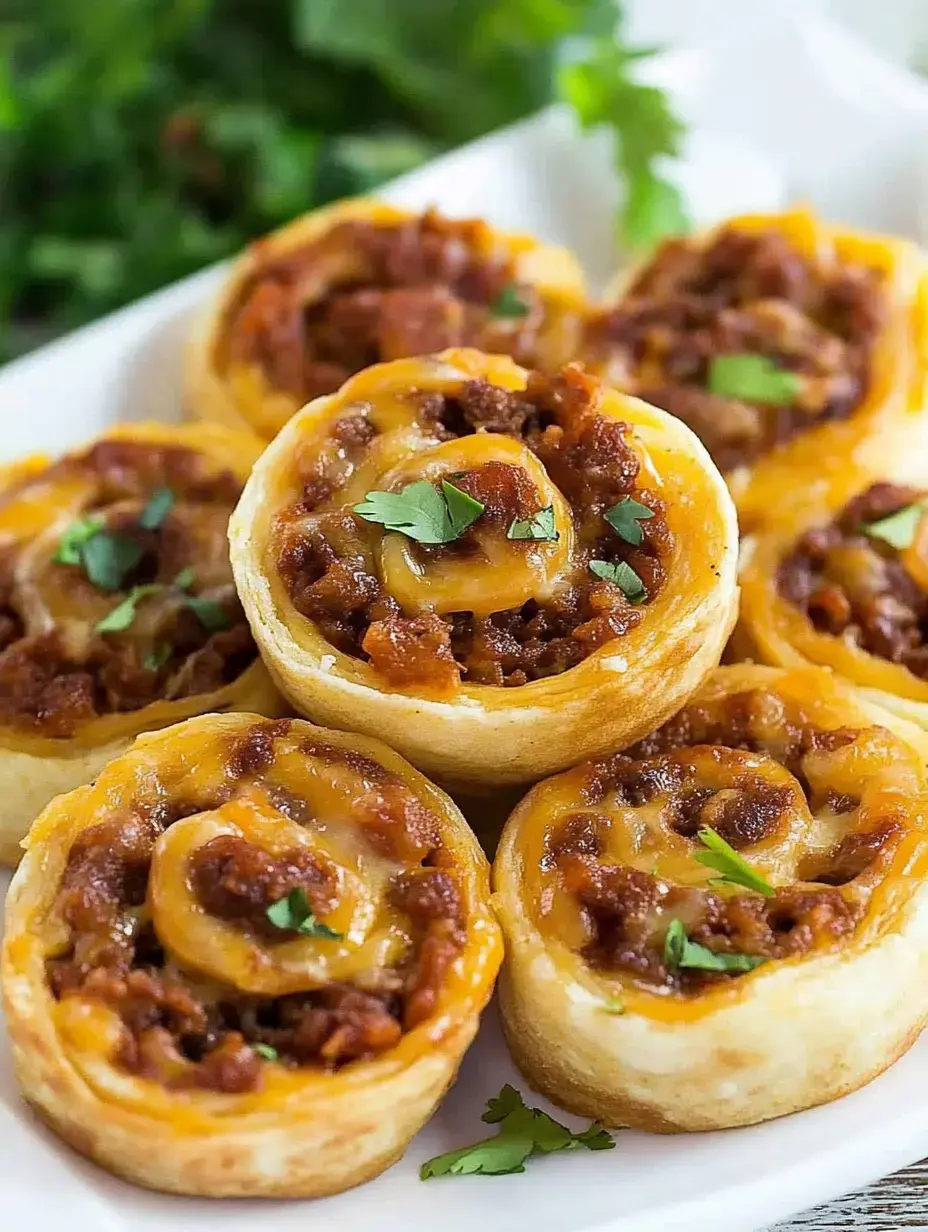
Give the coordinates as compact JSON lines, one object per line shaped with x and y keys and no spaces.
{"x":503,"y":571}
{"x":792,"y":348}
{"x":844,"y":583}
{"x":361,"y":282}
{"x":248,"y":959}
{"x":118,"y":612}
{"x":728,"y":921}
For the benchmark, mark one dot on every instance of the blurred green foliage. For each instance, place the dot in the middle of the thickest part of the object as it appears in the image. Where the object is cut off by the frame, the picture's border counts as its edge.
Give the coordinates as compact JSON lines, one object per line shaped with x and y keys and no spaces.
{"x":143,"y":139}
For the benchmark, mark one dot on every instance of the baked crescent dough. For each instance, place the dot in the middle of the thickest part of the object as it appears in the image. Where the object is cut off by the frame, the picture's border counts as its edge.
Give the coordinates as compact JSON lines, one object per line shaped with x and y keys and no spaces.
{"x":843,"y":582}
{"x":308,"y":306}
{"x":497,"y":653}
{"x":73,"y":550}
{"x":844,"y":312}
{"x":247,"y":960}
{"x":639,"y":990}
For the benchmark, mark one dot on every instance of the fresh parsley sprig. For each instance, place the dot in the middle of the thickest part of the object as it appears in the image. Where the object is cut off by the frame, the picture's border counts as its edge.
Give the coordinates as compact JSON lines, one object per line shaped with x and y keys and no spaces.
{"x":422,"y":512}
{"x":734,"y":869}
{"x":752,"y":378}
{"x":294,"y":914}
{"x":159,"y":505}
{"x":265,"y":1051}
{"x":509,"y":304}
{"x":605,"y":92}
{"x":521,"y":1132}
{"x":681,"y":953}
{"x":540,"y":526}
{"x":897,"y":529}
{"x":626,"y":517}
{"x":208,"y":612}
{"x":107,"y":557}
{"x":122,"y":615}
{"x":623,"y":575}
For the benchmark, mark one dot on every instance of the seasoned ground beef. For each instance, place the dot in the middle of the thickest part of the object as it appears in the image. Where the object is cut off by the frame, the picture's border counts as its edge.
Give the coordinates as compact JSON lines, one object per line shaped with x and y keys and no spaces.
{"x":328,"y":561}
{"x":743,"y":293}
{"x":54,"y":680}
{"x":855,"y":586}
{"x":626,"y":910}
{"x":172,"y":1017}
{"x":366,"y":292}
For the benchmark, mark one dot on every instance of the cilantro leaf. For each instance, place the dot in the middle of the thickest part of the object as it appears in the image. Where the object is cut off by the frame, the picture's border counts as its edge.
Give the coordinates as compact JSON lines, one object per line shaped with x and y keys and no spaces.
{"x":184,"y":579}
{"x":540,"y":526}
{"x":625,"y":518}
{"x":209,"y":613}
{"x":73,"y":539}
{"x":613,"y":1005}
{"x":623,"y":575}
{"x":897,"y":529}
{"x":521,"y":1132}
{"x":509,"y":304}
{"x":265,"y":1051}
{"x":154,"y":661}
{"x":123,"y":614}
{"x":294,"y":914}
{"x":734,"y":868}
{"x":463,"y":510}
{"x":157,"y":509}
{"x":421,"y":512}
{"x":680,"y":952}
{"x":604,"y":91}
{"x":752,"y":378}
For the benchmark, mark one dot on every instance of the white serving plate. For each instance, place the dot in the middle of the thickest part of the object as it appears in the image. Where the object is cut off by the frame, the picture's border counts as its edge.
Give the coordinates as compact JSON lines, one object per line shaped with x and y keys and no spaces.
{"x":537,"y":177}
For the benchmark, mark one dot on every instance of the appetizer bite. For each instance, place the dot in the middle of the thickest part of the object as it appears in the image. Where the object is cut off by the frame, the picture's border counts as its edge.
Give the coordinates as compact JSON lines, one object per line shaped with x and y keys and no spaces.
{"x":845,"y":584}
{"x":248,"y":959}
{"x":502,"y":571}
{"x":118,"y":612}
{"x":361,"y":282}
{"x":790,"y":347}
{"x":725,"y":922}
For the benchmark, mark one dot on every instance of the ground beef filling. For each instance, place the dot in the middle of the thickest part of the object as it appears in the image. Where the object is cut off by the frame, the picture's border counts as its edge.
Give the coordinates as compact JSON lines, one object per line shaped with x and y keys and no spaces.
{"x":114,"y":956}
{"x":332,"y":576}
{"x":626,"y":910}
{"x":47,"y":686}
{"x":743,"y":294}
{"x":854,"y":585}
{"x":408,"y":288}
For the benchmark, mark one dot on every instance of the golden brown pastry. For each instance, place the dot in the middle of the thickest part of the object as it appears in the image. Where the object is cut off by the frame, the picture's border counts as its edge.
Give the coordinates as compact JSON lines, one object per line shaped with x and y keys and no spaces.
{"x":248,"y":959}
{"x":844,"y":583}
{"x":728,"y":921}
{"x":501,"y":572}
{"x":118,"y":612}
{"x":792,"y":348}
{"x":360,"y":281}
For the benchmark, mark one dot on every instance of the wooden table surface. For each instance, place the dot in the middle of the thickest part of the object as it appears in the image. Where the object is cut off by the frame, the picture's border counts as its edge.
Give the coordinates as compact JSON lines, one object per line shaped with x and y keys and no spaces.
{"x":897,"y":1204}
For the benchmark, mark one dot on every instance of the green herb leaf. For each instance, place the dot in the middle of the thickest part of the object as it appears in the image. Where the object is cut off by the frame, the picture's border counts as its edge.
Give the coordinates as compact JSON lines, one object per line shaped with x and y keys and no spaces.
{"x":613,"y":1005}
{"x":509,"y":304}
{"x":605,"y":91}
{"x":680,"y":952}
{"x":540,"y":526}
{"x":158,"y":657}
{"x":266,"y":1051}
{"x":123,"y":614}
{"x":209,"y":613}
{"x":734,"y":869}
{"x":898,"y":529}
{"x":184,"y":579}
{"x":294,"y":914}
{"x":624,"y":577}
{"x":73,"y":539}
{"x":159,"y":506}
{"x":421,"y":512}
{"x":463,"y":510}
{"x":752,"y":378}
{"x":521,"y":1132}
{"x":625,"y":518}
